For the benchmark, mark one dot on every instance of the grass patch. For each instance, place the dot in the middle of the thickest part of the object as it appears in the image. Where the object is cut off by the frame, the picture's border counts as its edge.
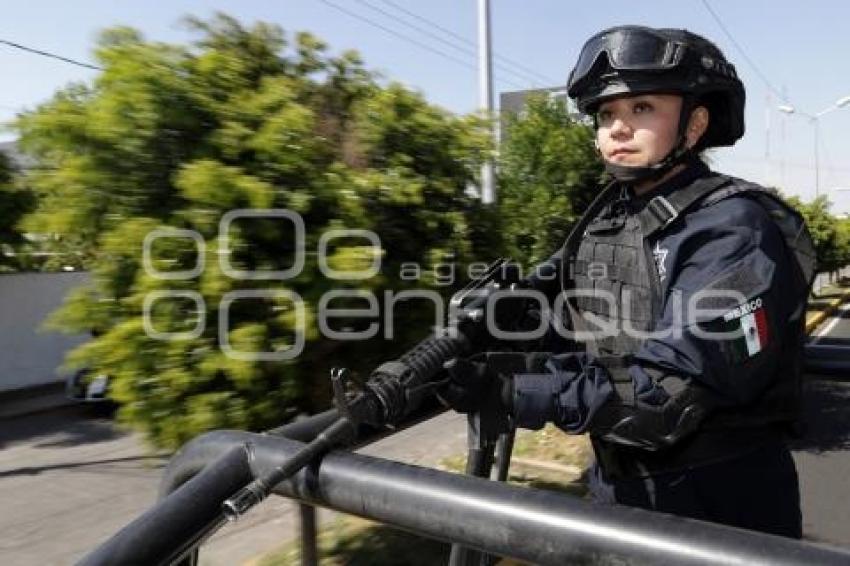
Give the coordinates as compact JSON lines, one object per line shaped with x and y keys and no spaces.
{"x":353,"y":541}
{"x":571,"y":456}
{"x":545,"y":459}
{"x":551,"y":444}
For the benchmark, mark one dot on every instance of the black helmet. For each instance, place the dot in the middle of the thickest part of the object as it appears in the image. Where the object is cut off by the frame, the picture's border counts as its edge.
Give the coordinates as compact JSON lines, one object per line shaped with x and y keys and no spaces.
{"x":641,"y":60}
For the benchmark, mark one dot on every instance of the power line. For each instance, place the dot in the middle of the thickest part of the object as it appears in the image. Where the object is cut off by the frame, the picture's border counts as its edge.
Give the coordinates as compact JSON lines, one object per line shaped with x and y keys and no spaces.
{"x":525,"y":70}
{"x":522,"y":74}
{"x":743,"y":53}
{"x":411,"y":40}
{"x":442,"y":40}
{"x":417,"y":28}
{"x":51,"y":55}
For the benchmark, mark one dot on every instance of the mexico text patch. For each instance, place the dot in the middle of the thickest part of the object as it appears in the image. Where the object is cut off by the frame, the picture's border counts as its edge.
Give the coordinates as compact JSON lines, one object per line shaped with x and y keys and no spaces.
{"x":749,"y":330}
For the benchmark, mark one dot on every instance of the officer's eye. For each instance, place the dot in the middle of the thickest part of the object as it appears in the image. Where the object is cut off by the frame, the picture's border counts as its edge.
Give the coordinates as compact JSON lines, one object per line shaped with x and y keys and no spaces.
{"x":603,"y":115}
{"x":641,"y":107}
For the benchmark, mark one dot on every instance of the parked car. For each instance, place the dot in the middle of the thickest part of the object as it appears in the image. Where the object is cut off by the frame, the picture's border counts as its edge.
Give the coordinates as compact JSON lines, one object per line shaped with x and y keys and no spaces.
{"x":82,"y":386}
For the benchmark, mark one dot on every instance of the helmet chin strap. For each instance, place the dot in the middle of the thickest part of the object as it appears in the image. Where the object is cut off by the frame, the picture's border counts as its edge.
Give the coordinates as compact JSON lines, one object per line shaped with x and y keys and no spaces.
{"x":679,"y":154}
{"x":637,"y":173}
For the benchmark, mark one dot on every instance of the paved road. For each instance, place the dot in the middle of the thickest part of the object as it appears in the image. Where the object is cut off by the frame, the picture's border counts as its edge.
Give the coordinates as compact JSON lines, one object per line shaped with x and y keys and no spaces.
{"x":68,"y":481}
{"x":823,"y":456}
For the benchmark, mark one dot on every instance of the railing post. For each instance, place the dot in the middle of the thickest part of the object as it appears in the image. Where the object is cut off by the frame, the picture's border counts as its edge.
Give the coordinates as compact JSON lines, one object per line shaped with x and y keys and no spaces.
{"x":309,"y":548}
{"x":504,"y":450}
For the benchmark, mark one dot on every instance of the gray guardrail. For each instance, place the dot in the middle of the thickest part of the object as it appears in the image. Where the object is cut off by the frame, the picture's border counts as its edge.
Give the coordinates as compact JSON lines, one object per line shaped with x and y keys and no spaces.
{"x":535,"y":526}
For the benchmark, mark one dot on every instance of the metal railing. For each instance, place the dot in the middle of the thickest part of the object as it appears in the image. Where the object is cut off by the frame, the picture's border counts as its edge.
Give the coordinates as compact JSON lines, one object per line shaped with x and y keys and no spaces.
{"x":535,"y":526}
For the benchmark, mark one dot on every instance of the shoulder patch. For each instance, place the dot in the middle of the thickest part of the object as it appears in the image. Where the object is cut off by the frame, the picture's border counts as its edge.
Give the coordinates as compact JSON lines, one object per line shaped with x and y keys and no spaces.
{"x":748,"y":330}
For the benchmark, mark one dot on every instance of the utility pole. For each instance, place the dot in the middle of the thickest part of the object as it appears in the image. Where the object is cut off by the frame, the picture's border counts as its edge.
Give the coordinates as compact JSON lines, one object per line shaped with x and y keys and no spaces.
{"x":784,"y":155}
{"x":816,"y":124}
{"x":768,"y":103}
{"x":485,"y":95}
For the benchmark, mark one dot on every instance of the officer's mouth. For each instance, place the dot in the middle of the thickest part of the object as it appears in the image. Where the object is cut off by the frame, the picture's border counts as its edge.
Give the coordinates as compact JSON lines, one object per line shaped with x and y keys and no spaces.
{"x":622,"y":154}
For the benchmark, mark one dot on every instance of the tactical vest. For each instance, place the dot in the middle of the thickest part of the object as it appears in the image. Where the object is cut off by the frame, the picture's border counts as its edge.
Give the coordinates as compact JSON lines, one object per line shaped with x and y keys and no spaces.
{"x":614,"y":280}
{"x":614,"y":270}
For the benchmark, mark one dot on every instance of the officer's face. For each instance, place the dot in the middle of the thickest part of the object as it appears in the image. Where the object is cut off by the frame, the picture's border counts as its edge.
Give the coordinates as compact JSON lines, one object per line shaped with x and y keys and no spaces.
{"x":638,"y":130}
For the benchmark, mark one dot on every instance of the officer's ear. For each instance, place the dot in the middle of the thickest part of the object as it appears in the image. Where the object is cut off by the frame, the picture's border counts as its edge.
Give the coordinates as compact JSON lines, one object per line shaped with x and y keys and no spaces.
{"x":697,"y":125}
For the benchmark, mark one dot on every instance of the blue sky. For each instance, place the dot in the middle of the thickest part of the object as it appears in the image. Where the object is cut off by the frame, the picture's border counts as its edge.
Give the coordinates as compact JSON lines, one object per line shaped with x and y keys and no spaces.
{"x":800,"y":48}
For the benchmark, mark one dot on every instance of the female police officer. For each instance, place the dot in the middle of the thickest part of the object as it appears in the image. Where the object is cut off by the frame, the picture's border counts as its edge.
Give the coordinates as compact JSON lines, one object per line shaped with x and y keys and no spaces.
{"x":687,"y":294}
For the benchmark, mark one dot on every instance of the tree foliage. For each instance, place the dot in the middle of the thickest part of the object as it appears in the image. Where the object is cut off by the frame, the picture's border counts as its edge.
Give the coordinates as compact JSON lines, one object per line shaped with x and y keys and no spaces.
{"x":548,"y":174}
{"x":15,"y":202}
{"x":831,"y":235}
{"x":175,"y":137}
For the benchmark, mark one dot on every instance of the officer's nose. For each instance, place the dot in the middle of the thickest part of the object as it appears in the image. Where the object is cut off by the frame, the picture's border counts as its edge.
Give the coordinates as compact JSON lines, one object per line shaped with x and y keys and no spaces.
{"x":620,"y":128}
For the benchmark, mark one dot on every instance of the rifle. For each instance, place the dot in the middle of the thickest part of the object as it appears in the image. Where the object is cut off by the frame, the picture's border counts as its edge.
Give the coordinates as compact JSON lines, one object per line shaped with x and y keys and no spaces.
{"x":394,"y":391}
{"x":398,"y":387}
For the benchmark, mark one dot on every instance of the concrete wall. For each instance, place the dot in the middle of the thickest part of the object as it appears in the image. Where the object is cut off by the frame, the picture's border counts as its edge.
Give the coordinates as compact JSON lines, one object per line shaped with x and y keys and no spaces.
{"x":824,"y":279}
{"x":28,"y":355}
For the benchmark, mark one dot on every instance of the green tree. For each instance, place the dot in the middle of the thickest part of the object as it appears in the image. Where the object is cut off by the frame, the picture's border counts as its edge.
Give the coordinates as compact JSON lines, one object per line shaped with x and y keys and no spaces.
{"x":548,"y":174}
{"x":14,"y":203}
{"x":842,"y":256}
{"x":175,"y":137}
{"x":830,"y":236}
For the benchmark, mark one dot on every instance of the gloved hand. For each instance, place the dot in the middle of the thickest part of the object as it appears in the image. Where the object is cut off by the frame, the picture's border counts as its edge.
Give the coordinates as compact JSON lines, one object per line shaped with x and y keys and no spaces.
{"x":654,"y":427}
{"x":569,"y":392}
{"x":472,"y":384}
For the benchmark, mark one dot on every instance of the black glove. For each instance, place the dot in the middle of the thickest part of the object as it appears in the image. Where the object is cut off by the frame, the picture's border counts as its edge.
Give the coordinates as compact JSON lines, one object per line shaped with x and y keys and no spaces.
{"x":472,"y":384}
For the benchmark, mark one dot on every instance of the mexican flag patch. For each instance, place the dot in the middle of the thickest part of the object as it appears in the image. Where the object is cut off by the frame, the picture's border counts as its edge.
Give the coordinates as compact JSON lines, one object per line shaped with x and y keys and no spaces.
{"x":749,"y":330}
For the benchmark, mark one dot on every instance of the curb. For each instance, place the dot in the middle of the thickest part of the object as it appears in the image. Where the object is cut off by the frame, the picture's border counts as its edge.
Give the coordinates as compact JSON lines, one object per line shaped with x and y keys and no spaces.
{"x":814,"y":320}
{"x":563,"y":469}
{"x":38,"y":399}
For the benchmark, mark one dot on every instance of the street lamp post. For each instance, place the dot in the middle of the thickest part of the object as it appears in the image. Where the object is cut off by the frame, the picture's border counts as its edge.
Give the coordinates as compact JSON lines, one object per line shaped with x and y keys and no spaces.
{"x":814,"y":120}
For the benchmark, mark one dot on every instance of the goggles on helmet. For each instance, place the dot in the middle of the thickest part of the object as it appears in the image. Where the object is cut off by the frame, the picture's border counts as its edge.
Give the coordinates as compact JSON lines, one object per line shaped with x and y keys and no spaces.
{"x":628,"y":48}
